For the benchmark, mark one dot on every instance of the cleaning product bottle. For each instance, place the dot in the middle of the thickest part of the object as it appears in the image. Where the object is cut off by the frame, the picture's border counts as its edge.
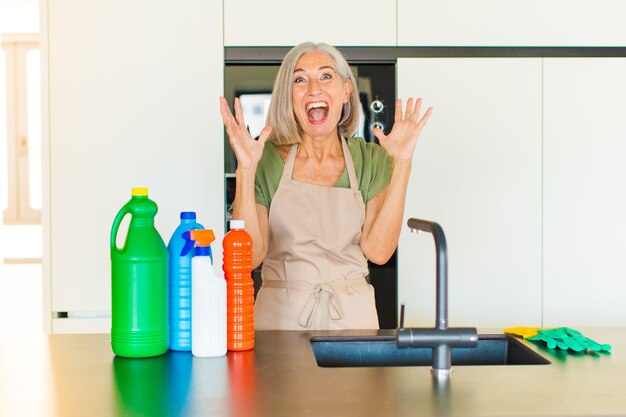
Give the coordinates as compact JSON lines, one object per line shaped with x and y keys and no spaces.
{"x":180,"y":284}
{"x":208,"y":297}
{"x":139,"y":282}
{"x":237,"y":265}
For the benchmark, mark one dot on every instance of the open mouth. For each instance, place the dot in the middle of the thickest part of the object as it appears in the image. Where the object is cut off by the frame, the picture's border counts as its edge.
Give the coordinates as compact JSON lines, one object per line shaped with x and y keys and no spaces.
{"x":317,"y":112}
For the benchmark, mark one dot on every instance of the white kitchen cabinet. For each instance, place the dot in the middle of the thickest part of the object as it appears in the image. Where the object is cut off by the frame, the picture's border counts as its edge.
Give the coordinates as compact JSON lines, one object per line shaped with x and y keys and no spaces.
{"x":584,"y":192}
{"x":287,"y":23}
{"x":477,"y":172}
{"x":132,"y":94}
{"x":510,"y":23}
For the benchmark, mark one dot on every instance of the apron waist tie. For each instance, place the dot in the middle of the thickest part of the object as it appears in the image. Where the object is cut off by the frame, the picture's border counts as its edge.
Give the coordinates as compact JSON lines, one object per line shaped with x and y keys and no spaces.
{"x":323,"y":291}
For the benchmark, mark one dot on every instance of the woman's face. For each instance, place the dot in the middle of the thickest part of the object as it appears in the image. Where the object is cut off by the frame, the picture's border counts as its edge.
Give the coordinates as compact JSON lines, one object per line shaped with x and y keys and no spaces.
{"x":319,"y":94}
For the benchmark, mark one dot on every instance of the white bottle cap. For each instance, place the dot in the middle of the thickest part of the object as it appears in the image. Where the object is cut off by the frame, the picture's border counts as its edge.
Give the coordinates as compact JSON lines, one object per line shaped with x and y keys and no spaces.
{"x":237,"y":224}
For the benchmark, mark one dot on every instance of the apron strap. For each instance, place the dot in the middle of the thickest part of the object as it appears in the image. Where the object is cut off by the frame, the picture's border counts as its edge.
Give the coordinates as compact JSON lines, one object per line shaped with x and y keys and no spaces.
{"x":319,"y":293}
{"x":347,"y":156}
{"x":290,"y":162}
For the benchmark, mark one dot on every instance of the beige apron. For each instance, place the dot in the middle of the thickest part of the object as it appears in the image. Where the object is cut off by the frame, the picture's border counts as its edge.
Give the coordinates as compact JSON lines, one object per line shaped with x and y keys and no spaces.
{"x":314,"y":272}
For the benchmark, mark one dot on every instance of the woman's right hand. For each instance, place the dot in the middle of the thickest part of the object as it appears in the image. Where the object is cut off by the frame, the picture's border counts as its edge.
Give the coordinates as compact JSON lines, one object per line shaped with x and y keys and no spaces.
{"x":247,"y":150}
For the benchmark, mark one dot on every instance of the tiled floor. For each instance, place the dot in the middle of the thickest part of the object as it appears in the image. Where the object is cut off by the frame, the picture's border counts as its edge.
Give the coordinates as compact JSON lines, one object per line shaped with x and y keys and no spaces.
{"x":21,"y":294}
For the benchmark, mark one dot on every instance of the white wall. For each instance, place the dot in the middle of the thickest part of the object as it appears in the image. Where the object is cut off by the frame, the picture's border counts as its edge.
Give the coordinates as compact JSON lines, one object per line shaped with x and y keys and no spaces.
{"x":522,"y":165}
{"x":584,"y":191}
{"x":545,"y":23}
{"x":476,"y":172}
{"x":287,"y":23}
{"x":511,"y":23}
{"x":132,"y":101}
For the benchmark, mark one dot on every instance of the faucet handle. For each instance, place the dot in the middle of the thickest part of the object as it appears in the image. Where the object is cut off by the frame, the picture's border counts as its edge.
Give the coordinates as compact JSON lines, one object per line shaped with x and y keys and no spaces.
{"x":401,"y":316}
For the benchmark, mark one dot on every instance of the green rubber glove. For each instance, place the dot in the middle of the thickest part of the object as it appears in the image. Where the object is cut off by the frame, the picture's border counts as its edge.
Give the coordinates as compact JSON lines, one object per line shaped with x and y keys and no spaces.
{"x":565,"y":338}
{"x":586,"y":342}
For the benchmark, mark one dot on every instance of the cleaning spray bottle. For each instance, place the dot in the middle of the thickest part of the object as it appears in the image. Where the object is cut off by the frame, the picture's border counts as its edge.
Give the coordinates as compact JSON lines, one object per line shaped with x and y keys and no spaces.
{"x":208,"y":297}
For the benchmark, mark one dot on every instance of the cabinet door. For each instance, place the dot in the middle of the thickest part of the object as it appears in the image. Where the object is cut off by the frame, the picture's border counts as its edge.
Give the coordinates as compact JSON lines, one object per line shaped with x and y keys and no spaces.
{"x":584,"y":192}
{"x":134,"y":105}
{"x":476,"y":172}
{"x":287,"y":23}
{"x":511,"y":23}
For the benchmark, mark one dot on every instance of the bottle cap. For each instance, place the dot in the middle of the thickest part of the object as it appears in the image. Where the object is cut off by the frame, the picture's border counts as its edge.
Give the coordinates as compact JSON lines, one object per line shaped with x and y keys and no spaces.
{"x":237,"y":224}
{"x":139,"y":192}
{"x":190,"y":215}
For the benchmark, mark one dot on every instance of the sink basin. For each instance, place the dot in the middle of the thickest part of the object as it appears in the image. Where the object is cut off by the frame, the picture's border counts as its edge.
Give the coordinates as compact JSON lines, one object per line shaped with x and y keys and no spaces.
{"x":372,"y":351}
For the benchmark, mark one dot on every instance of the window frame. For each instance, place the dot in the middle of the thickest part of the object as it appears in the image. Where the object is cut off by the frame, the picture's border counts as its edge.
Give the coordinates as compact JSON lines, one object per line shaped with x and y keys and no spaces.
{"x":19,"y":210}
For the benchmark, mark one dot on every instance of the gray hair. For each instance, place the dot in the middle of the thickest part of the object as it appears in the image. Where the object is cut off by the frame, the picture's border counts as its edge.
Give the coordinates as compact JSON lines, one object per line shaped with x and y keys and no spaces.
{"x":281,"y":117}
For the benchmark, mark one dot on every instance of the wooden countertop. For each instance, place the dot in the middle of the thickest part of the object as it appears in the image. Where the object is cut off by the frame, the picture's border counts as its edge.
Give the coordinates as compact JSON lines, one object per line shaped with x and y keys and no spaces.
{"x":78,"y":375}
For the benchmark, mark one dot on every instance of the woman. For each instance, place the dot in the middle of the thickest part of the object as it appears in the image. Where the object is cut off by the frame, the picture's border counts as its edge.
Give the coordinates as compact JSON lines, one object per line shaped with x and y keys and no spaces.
{"x":302,"y":194}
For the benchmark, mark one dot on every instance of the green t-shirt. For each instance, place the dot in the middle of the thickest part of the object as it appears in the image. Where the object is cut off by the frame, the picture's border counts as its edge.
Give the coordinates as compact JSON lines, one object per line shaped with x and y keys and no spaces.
{"x":372,"y":166}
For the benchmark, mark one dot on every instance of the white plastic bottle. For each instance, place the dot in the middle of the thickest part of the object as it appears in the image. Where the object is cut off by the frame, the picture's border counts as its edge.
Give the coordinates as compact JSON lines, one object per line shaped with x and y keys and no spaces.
{"x":208,"y":300}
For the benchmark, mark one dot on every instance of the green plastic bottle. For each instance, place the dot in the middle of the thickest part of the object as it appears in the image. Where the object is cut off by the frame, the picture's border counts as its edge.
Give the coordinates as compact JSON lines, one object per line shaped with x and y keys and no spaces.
{"x":139,"y":271}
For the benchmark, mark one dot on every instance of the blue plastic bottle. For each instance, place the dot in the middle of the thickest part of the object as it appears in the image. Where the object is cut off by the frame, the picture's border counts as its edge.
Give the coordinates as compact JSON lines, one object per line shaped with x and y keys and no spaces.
{"x":180,"y":284}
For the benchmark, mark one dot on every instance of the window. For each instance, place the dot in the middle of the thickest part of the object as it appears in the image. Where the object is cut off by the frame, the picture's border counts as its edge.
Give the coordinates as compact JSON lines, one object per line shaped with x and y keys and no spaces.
{"x":20,"y":130}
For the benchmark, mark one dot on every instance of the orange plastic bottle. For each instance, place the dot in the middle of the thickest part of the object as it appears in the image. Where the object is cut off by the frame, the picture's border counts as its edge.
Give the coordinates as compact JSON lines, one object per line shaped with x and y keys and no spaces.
{"x":237,"y":265}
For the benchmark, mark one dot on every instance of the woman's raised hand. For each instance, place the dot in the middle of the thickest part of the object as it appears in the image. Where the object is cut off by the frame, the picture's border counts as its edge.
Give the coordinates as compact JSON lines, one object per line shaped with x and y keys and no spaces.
{"x":247,"y":150}
{"x":400,"y":142}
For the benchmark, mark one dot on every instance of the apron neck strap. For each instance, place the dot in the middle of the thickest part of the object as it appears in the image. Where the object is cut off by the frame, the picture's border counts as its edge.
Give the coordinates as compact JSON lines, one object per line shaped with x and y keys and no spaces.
{"x":290,"y":162}
{"x":347,"y":156}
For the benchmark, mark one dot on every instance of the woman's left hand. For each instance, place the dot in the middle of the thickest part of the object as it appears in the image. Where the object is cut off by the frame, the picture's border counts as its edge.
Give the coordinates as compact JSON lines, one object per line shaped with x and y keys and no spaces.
{"x":400,"y":142}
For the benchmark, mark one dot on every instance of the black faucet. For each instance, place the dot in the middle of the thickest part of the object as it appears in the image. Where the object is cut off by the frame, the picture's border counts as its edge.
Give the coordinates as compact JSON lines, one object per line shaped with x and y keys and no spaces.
{"x":441,"y":338}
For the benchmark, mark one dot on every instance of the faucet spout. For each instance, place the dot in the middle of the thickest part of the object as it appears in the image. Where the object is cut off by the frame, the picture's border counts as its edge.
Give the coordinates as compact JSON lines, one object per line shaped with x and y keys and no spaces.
{"x":441,"y":248}
{"x":441,"y":338}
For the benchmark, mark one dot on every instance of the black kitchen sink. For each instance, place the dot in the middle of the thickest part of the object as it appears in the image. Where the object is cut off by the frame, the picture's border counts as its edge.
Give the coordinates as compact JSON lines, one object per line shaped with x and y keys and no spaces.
{"x":377,"y":351}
